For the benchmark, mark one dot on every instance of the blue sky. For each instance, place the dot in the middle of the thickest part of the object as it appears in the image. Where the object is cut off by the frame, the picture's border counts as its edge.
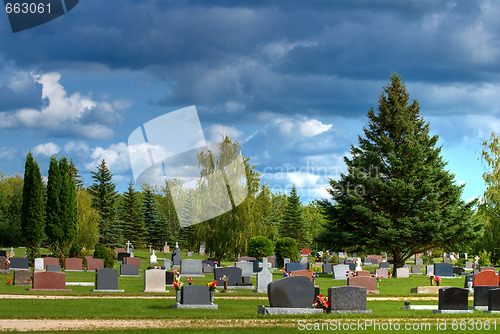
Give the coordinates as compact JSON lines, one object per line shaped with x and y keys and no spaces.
{"x":292,"y":81}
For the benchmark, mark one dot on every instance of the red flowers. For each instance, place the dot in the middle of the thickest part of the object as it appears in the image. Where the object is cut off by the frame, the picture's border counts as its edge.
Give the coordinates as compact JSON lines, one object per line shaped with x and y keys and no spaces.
{"x":320,"y":302}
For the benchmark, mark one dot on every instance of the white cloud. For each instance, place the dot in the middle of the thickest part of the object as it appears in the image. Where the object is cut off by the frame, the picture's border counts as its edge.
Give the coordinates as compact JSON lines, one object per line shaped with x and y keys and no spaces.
{"x":77,"y":147}
{"x":7,"y":153}
{"x":46,"y":149}
{"x":215,"y":133}
{"x":116,"y":156}
{"x":305,"y":127}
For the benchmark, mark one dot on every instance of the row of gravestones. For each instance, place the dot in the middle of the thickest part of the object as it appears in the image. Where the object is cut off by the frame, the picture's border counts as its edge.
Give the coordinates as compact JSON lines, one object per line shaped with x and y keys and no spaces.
{"x":455,"y":300}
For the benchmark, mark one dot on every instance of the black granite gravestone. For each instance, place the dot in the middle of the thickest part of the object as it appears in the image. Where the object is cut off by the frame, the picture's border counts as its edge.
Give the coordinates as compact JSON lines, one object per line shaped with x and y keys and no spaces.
{"x":3,"y":253}
{"x":385,"y":265}
{"x":443,"y":269}
{"x":121,"y":257}
{"x":129,"y":270}
{"x":293,"y":266}
{"x":106,"y":279}
{"x":352,"y":266}
{"x":468,"y":278}
{"x":53,"y":267}
{"x":19,"y":263}
{"x":347,"y":298}
{"x":292,"y":291}
{"x":453,"y":299}
{"x":481,"y":294}
{"x":176,"y":259}
{"x":458,"y":270}
{"x":169,"y":277}
{"x":195,"y":295}
{"x":233,"y":275}
{"x":494,"y":300}
{"x":255,"y":263}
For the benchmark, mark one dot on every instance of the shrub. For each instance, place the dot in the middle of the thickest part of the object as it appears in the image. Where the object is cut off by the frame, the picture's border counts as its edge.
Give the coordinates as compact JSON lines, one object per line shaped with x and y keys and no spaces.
{"x":107,"y":254}
{"x":75,"y":250}
{"x":286,"y":247}
{"x":484,"y":259}
{"x":334,"y":260}
{"x":260,"y":247}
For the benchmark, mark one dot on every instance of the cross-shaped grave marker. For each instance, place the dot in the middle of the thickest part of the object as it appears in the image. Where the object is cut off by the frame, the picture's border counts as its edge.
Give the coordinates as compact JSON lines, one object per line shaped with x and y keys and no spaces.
{"x":477,"y":259}
{"x":128,"y":244}
{"x":150,"y":247}
{"x":265,"y":265}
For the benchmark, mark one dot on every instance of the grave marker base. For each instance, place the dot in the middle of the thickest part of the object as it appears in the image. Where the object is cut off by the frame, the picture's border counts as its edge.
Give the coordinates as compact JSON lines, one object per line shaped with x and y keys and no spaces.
{"x":288,"y":310}
{"x":195,"y":306}
{"x":420,"y":307}
{"x":452,"y":311}
{"x":349,"y":311}
{"x":103,"y":290}
{"x":79,"y":283}
{"x":192,"y":275}
{"x":48,"y":289}
{"x":427,"y":289}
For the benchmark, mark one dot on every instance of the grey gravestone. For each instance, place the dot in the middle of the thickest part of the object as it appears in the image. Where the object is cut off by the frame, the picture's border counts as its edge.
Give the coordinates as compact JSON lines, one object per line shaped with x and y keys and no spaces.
{"x":232,"y":273}
{"x":255,"y":267}
{"x":494,"y":300}
{"x":53,"y":267}
{"x":385,"y":265}
{"x":19,"y":263}
{"x":292,"y":291}
{"x":352,"y":266}
{"x":245,"y":280}
{"x":382,"y":273}
{"x":443,"y":269}
{"x":375,"y":262}
{"x":327,"y":268}
{"x":429,"y":269}
{"x":285,"y":261}
{"x":406,"y":265}
{"x":191,"y":267}
{"x":167,"y":263}
{"x":189,"y":254}
{"x":207,"y":266}
{"x":106,"y":280}
{"x":22,"y":277}
{"x":341,"y":261}
{"x":121,"y":257}
{"x":340,"y":271}
{"x":403,"y":272}
{"x":293,"y":266}
{"x":169,"y":277}
{"x":129,"y":270}
{"x":39,"y":263}
{"x":367,"y":261}
{"x":419,"y":262}
{"x":347,"y":298}
{"x":468,"y":265}
{"x":453,"y":299}
{"x":349,"y":260}
{"x":416,"y":269}
{"x":481,"y":293}
{"x":246,"y":268}
{"x":154,"y":280}
{"x":176,"y":259}
{"x":195,"y":295}
{"x":264,"y":277}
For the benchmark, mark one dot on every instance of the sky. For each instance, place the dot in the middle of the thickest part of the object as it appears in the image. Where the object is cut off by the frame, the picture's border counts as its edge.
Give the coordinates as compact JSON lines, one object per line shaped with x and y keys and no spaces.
{"x":291,"y":81}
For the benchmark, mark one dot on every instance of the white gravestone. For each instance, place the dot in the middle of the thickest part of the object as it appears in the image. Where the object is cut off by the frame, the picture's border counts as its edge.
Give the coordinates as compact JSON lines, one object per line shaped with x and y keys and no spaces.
{"x":264,"y":277}
{"x":153,"y":258}
{"x":358,"y":267}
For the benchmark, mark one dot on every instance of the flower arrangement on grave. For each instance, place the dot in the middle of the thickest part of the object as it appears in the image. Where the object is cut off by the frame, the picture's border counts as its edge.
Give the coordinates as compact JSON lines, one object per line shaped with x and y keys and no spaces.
{"x":379,"y":278}
{"x":285,"y":274}
{"x":9,"y":281}
{"x":431,"y":277}
{"x":349,"y":273}
{"x":314,"y":275}
{"x":320,"y":302}
{"x":437,"y":279}
{"x":190,"y":280}
{"x":212,"y":285}
{"x":177,"y":284}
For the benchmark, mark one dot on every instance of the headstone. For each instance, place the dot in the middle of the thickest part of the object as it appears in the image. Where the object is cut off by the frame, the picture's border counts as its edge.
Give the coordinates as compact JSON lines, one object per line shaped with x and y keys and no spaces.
{"x":49,"y":281}
{"x":458,"y":270}
{"x":349,"y":260}
{"x":207,"y":266}
{"x":429,"y":269}
{"x":264,"y":277}
{"x":169,"y":277}
{"x":384,"y":273}
{"x":166,"y":248}
{"x":191,"y":267}
{"x":19,"y":263}
{"x":416,"y":269}
{"x":419,"y":262}
{"x":153,"y":258}
{"x":363,"y":273}
{"x":304,"y":262}
{"x":95,"y":264}
{"x":246,"y":268}
{"x":468,"y":278}
{"x":481,"y":293}
{"x":245,"y":258}
{"x":129,"y":247}
{"x":286,"y":261}
{"x":352,"y":266}
{"x":385,"y":265}
{"x":232,"y":273}
{"x":3,"y":253}
{"x":487,"y":277}
{"x":167,"y":263}
{"x":74,"y":264}
{"x":119,"y":250}
{"x":291,"y":292}
{"x":39,"y":264}
{"x":377,"y":258}
{"x":12,"y":253}
{"x":195,"y":295}
{"x":446,"y":260}
{"x":255,"y":266}
{"x":53,"y":268}
{"x":154,"y":280}
{"x":4,"y":265}
{"x":306,"y":273}
{"x":305,"y":251}
{"x":406,"y":265}
{"x":375,"y":262}
{"x":367,"y":261}
{"x":50,"y":261}
{"x":327,"y":267}
{"x":176,"y":259}
{"x":273,"y":261}
{"x":494,"y":300}
{"x":107,"y":279}
{"x":402,"y":272}
{"x":468,"y":265}
{"x":452,"y":298}
{"x":358,"y":262}
{"x":202,"y":248}
{"x":22,"y":277}
{"x":293,"y":266}
{"x":486,"y":268}
{"x":347,"y":298}
{"x":121,"y":257}
{"x":369,"y":283}
{"x":443,"y":269}
{"x":340,"y":271}
{"x":133,"y":260}
{"x":129,"y":270}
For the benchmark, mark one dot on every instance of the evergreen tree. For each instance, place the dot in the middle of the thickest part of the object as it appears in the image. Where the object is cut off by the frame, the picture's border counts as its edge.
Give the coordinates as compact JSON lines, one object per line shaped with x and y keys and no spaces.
{"x":187,"y":232}
{"x":152,"y":220}
{"x":104,"y":198}
{"x":292,"y":223}
{"x":132,"y":217}
{"x":75,"y":175}
{"x":32,"y":211}
{"x":69,"y":205}
{"x":397,"y":195}
{"x":53,"y":212}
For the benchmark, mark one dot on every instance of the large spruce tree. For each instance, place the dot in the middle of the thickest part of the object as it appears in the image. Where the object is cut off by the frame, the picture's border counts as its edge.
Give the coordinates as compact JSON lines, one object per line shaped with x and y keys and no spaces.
{"x":132,"y":217}
{"x":292,"y":223}
{"x":69,"y":204}
{"x":397,"y":195}
{"x":104,"y":199}
{"x":53,"y":224}
{"x":155,"y":224}
{"x":32,"y":211}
